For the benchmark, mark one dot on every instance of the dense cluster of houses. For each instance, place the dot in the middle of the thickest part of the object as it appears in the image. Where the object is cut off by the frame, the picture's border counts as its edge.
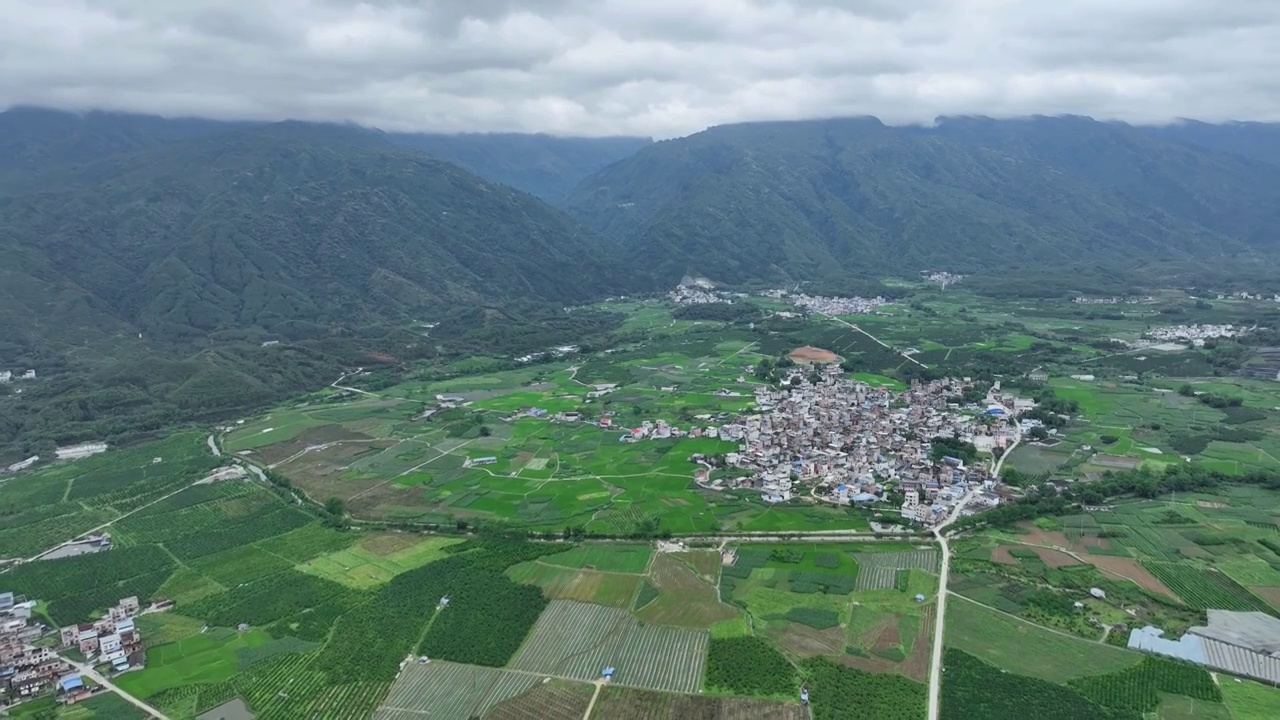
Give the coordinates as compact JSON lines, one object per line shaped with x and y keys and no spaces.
{"x":694,"y":294}
{"x":112,"y":639}
{"x":942,"y":278}
{"x":844,"y":441}
{"x":837,"y":305}
{"x":1195,"y":334}
{"x":1112,"y":300}
{"x":27,"y":669}
{"x":10,"y":376}
{"x":30,"y":665}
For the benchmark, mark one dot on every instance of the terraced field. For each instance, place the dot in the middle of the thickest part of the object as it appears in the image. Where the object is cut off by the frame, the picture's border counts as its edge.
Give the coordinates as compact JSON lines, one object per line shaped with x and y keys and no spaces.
{"x":577,"y":640}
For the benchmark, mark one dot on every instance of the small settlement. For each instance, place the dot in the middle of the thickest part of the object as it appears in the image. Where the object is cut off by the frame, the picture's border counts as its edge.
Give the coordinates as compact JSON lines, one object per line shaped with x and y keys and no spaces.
{"x":845,"y":442}
{"x":30,"y":664}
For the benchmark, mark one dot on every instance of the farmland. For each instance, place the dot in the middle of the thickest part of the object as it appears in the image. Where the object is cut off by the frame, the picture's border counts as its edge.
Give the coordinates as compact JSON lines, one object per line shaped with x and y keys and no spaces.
{"x":1025,"y":648}
{"x":576,"y":640}
{"x":633,"y":704}
{"x":396,"y":457}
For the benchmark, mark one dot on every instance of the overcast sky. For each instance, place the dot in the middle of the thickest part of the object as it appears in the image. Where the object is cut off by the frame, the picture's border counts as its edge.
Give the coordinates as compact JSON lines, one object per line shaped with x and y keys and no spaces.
{"x":650,"y":67}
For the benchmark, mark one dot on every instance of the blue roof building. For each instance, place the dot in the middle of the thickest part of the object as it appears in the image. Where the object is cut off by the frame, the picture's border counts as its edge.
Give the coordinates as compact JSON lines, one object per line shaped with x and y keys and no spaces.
{"x":607,"y":673}
{"x":70,"y":682}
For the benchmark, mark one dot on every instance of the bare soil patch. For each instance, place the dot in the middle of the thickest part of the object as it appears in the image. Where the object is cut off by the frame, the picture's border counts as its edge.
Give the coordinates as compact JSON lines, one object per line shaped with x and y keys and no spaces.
{"x":704,"y":562}
{"x":1115,"y":462}
{"x":1270,"y":594}
{"x":388,"y":543}
{"x":1208,"y":504}
{"x":1056,"y":558}
{"x":1001,"y":555}
{"x":889,"y":637}
{"x":916,"y":666}
{"x":804,"y":641}
{"x":310,"y":437}
{"x":1129,"y":569}
{"x":685,"y":599}
{"x":873,"y":633}
{"x":810,"y":354}
{"x":1047,"y":538}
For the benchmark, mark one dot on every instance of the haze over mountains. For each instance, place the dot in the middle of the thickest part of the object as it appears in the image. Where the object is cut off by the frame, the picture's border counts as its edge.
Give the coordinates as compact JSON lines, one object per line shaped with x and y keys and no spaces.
{"x":209,"y":238}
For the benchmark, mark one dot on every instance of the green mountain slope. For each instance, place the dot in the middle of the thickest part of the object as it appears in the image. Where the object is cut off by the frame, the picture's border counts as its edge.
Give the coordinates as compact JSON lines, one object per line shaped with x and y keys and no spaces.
{"x":542,"y":165}
{"x":282,"y":224}
{"x":806,"y":199}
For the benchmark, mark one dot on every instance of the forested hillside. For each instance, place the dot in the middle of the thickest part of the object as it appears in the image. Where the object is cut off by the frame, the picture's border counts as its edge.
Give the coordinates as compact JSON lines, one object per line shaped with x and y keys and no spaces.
{"x":541,"y":165}
{"x":144,"y":285}
{"x":799,"y":199}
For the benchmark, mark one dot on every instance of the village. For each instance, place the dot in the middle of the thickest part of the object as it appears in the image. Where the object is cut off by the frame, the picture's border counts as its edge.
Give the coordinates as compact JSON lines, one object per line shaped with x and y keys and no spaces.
{"x":1194,"y":334}
{"x":36,"y":660}
{"x":845,"y":442}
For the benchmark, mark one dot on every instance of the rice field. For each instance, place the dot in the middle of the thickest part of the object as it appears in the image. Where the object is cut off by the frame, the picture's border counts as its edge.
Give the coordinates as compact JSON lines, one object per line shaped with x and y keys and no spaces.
{"x":578,"y":640}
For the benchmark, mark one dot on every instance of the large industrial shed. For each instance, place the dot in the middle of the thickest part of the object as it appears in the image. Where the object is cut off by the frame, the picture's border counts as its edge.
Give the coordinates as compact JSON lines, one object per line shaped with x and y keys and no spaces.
{"x":1241,"y":643}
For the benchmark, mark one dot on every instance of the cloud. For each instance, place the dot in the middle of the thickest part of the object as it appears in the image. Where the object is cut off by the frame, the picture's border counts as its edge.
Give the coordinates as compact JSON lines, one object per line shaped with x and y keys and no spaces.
{"x":651,"y":67}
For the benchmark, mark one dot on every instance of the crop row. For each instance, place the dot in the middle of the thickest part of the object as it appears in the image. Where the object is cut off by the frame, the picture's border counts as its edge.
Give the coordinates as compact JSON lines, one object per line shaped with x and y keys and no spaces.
{"x":1139,"y":687}
{"x":1205,"y":589}
{"x":577,"y":640}
{"x":450,"y":690}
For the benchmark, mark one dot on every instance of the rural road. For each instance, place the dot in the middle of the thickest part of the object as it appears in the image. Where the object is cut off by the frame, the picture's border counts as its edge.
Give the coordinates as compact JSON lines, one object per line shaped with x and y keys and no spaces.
{"x":336,"y":386}
{"x":873,"y":337}
{"x":92,"y":674}
{"x":939,"y":627}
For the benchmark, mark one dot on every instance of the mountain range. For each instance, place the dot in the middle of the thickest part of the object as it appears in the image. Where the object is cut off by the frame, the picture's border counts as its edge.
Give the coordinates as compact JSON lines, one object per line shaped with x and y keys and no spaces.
{"x":148,"y":259}
{"x":801,"y":199}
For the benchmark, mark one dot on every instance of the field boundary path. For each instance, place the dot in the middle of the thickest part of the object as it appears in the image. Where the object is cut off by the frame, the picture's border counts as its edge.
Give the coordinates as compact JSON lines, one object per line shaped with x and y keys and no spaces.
{"x":96,"y":677}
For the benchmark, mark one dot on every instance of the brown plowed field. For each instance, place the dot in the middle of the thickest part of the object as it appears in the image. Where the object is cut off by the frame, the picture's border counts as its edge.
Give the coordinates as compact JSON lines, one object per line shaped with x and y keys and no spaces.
{"x":1128,"y":568}
{"x":1056,"y":558}
{"x":1001,"y":555}
{"x":811,"y":354}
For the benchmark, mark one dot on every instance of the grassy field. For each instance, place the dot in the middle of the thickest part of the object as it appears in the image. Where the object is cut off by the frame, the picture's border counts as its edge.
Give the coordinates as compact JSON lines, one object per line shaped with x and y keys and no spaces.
{"x":1249,"y":700}
{"x":1027,"y":649}
{"x":376,"y":559}
{"x":202,"y":658}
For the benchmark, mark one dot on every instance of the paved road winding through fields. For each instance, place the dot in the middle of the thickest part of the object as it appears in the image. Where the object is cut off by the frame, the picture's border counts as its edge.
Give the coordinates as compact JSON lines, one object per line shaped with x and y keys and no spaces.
{"x":939,"y":626}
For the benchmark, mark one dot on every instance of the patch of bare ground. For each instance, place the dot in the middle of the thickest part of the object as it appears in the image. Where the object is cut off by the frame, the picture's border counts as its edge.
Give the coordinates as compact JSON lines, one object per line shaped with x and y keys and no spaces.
{"x":869,"y":664}
{"x":1000,"y":554}
{"x":388,"y":543}
{"x":1047,"y":538}
{"x":624,"y":703}
{"x":310,"y":437}
{"x":916,"y":666}
{"x":871,"y":634}
{"x":805,"y":642}
{"x":704,"y":562}
{"x":811,"y":354}
{"x":1270,"y":594}
{"x":1056,"y":558}
{"x":551,"y":700}
{"x":1129,"y":569}
{"x":684,"y":599}
{"x":1208,"y":504}
{"x":890,"y":637}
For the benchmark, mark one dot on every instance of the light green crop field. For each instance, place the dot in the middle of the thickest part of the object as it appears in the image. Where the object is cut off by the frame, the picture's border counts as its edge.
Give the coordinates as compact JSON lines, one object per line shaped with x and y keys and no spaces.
{"x":1021,"y":647}
{"x":372,"y":562}
{"x":201,"y":658}
{"x":1249,"y":700}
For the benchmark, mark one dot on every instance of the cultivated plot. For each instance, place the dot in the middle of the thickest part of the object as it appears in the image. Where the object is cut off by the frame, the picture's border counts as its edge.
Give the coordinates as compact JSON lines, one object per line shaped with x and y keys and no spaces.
{"x":578,"y":640}
{"x":449,"y":691}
